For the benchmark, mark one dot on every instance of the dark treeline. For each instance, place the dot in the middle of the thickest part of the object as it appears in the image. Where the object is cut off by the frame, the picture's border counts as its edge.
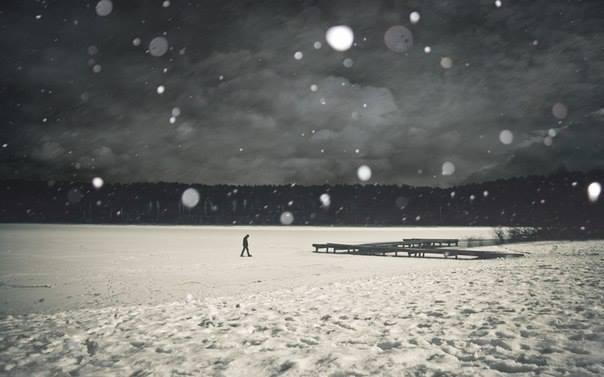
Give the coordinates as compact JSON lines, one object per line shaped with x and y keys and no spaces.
{"x":557,"y":200}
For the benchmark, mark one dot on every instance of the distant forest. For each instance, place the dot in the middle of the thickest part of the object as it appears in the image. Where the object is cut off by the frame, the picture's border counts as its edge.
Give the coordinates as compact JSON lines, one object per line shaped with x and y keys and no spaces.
{"x":558,"y":200}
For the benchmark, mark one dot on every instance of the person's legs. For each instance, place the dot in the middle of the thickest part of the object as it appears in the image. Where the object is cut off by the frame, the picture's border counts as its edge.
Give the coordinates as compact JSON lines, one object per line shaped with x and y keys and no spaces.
{"x":242,"y":250}
{"x":248,"y":252}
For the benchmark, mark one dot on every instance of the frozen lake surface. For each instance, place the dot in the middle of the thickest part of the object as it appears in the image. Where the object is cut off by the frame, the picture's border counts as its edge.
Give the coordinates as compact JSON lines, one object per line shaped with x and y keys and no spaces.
{"x":161,"y":301}
{"x":96,"y":266}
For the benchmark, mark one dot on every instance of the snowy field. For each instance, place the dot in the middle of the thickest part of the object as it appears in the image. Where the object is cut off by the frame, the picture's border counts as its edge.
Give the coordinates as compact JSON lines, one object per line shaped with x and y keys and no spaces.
{"x":88,"y":300}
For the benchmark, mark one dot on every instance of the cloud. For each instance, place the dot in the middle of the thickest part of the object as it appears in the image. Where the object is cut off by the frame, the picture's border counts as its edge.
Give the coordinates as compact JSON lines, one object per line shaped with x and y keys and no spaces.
{"x":248,"y":115}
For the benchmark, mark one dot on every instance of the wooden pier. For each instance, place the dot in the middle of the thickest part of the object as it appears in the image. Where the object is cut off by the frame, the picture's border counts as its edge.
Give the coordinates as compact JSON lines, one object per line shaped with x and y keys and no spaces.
{"x":413,"y":247}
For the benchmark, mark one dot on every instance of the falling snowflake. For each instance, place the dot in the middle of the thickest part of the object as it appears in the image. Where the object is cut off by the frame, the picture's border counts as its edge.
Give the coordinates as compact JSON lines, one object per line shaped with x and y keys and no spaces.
{"x":560,"y":111}
{"x":414,"y":17}
{"x":401,"y":202}
{"x":398,"y":38}
{"x":104,"y":8}
{"x":158,"y":46}
{"x":446,"y":62}
{"x":74,"y":196}
{"x":97,"y":182}
{"x":340,"y":37}
{"x":448,"y":168}
{"x":506,"y":137}
{"x":593,"y":191}
{"x":190,"y":197}
{"x":364,"y":173}
{"x":286,"y":218}
{"x":325,"y":200}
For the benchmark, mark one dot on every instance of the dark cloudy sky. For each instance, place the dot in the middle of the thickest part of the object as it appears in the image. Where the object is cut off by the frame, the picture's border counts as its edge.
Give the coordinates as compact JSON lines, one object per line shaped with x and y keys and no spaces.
{"x":79,"y":99}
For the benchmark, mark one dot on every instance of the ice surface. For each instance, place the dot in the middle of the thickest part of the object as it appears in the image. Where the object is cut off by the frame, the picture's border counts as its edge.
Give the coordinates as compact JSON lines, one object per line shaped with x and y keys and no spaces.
{"x":96,"y":266}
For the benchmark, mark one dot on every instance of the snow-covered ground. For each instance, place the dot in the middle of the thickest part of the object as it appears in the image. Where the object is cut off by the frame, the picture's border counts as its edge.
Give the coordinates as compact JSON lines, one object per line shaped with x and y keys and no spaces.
{"x":179,"y":301}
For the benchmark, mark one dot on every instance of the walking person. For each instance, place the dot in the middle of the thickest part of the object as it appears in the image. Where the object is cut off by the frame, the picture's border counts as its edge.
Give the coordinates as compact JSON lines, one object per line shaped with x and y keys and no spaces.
{"x":246,"y":246}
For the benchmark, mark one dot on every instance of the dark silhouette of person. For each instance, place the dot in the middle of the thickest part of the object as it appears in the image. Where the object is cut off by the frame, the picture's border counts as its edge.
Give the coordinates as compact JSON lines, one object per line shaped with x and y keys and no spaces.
{"x":246,"y":246}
